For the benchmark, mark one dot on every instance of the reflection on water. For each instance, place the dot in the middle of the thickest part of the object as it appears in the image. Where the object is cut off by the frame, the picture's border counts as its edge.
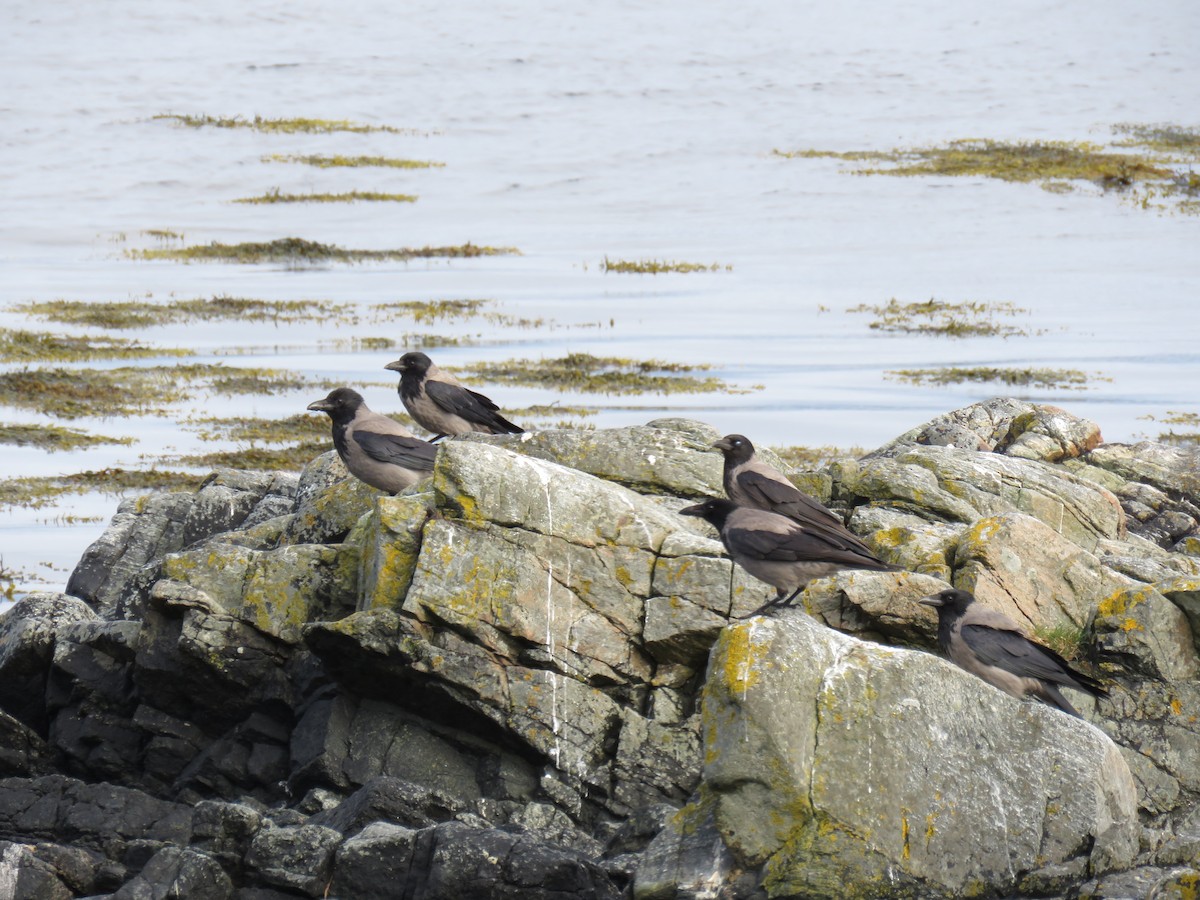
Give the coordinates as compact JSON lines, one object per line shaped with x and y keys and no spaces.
{"x":576,"y":134}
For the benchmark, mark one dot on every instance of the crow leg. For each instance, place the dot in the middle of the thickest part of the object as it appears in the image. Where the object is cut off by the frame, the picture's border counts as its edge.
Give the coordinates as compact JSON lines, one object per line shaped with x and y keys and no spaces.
{"x":776,"y":601}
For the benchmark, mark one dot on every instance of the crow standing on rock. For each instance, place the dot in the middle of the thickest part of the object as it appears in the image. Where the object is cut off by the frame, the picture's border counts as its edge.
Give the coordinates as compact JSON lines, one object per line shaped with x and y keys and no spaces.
{"x":781,"y":551}
{"x":749,"y":481}
{"x":376,"y":449}
{"x":992,"y":646}
{"x":441,"y":404}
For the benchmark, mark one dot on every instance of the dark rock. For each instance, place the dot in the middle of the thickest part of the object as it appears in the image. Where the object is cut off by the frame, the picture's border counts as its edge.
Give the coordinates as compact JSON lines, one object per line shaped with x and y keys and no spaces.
{"x":174,"y":872}
{"x":100,"y":817}
{"x":493,"y":863}
{"x":392,"y":800}
{"x":27,"y":636}
{"x":296,"y":857}
{"x":224,"y":831}
{"x":143,"y":530}
{"x":375,"y":864}
{"x":22,"y":751}
{"x":23,"y":874}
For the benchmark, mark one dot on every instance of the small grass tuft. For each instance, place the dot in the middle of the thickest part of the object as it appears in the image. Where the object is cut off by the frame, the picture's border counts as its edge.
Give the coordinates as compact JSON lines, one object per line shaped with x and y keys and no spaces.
{"x":1065,"y":639}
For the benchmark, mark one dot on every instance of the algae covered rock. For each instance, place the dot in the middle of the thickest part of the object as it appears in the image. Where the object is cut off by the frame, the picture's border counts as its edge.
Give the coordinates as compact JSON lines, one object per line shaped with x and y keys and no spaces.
{"x":507,"y":680}
{"x":666,"y":456}
{"x":1004,"y":425}
{"x":842,"y":768}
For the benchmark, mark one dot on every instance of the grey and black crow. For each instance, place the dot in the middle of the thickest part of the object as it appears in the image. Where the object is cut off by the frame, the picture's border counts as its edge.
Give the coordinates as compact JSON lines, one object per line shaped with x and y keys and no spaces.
{"x":779,"y":550}
{"x":992,"y":646}
{"x":376,"y":449}
{"x":749,"y":481}
{"x":441,"y":404}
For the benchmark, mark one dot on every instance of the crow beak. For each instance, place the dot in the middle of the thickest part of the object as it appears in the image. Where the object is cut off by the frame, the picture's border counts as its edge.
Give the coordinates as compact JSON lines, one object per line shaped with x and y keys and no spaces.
{"x":722,"y":444}
{"x":319,"y":406}
{"x":932,"y":600}
{"x":696,"y":510}
{"x":397,"y":366}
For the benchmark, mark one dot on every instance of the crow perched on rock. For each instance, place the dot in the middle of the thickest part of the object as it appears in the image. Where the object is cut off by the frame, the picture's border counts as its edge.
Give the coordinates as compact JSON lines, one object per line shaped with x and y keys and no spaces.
{"x":989,"y":644}
{"x":376,"y":449}
{"x":441,"y":404}
{"x":749,"y":481}
{"x":781,"y":551}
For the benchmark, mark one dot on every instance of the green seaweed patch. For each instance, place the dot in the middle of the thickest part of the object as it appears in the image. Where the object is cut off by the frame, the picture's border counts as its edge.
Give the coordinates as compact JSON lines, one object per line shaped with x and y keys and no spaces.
{"x":658,"y":266}
{"x":1151,"y":180}
{"x":37,"y":493}
{"x":943,"y":318}
{"x":1180,"y":194}
{"x":1178,"y":438}
{"x":273,"y":459}
{"x":601,"y":375}
{"x":163,"y":234}
{"x":1163,"y":138}
{"x":1065,"y":639}
{"x":53,"y":438}
{"x":145,"y":314}
{"x":276,"y":196}
{"x":297,"y":250}
{"x":1174,"y":417}
{"x":127,"y":391}
{"x":338,"y":161}
{"x":1011,"y":161}
{"x":283,"y":126}
{"x":18,"y":346}
{"x":427,"y":311}
{"x":425,"y":340}
{"x":1055,"y":379}
{"x":302,"y":427}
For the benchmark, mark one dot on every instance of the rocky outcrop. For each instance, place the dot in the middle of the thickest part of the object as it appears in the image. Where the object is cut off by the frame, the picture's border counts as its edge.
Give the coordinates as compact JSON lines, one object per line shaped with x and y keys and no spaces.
{"x":798,"y":720}
{"x":527,"y":677}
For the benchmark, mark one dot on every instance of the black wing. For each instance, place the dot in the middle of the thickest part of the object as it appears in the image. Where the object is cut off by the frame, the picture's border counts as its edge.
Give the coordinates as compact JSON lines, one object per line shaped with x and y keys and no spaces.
{"x":1015,"y":653}
{"x":796,"y":545}
{"x":411,"y":453}
{"x":785,"y":499}
{"x":470,"y":405}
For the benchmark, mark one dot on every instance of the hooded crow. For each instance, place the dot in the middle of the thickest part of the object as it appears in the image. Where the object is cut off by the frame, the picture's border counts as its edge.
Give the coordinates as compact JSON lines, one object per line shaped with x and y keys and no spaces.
{"x":779,"y":550}
{"x":376,"y":449}
{"x":992,"y":646}
{"x":749,"y":481}
{"x":441,"y":404}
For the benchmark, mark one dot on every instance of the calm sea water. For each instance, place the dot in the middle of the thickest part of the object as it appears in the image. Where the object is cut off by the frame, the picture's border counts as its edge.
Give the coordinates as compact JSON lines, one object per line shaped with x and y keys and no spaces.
{"x":632,"y":131}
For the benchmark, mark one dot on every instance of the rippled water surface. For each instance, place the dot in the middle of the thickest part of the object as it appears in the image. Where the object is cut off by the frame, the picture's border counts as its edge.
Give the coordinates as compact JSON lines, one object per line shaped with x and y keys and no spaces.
{"x":577,"y":132}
